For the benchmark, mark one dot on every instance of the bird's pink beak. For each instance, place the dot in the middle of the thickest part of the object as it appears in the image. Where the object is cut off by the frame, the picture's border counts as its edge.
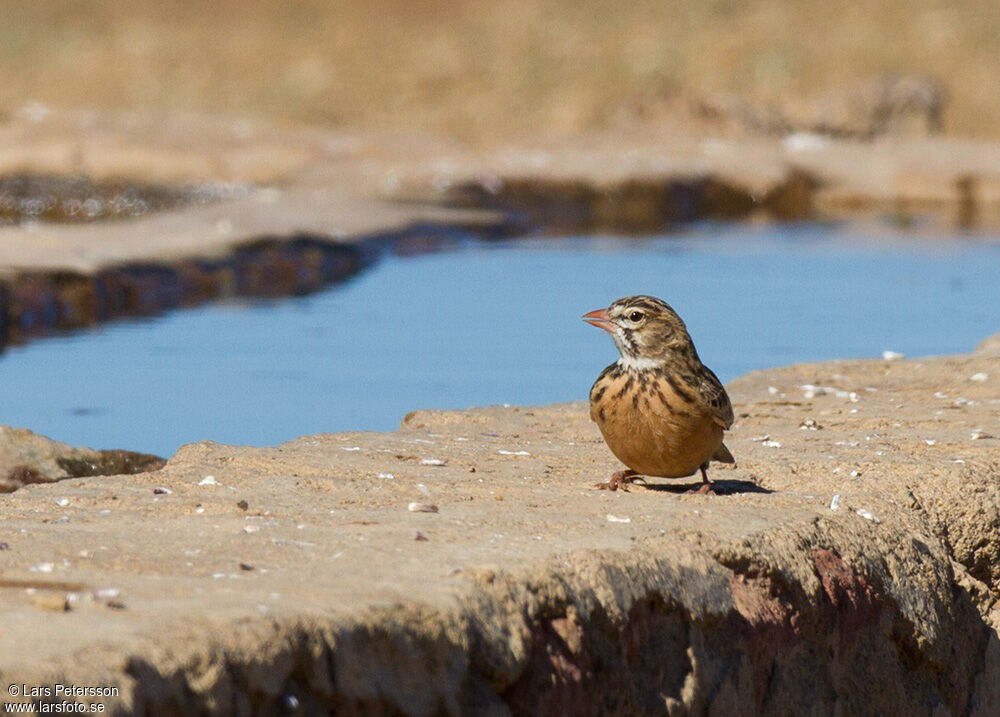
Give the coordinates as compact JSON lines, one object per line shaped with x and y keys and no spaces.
{"x":600,"y":319}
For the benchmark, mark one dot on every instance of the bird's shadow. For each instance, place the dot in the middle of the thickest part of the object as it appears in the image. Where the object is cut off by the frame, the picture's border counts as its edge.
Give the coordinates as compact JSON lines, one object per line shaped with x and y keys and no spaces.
{"x":719,"y":487}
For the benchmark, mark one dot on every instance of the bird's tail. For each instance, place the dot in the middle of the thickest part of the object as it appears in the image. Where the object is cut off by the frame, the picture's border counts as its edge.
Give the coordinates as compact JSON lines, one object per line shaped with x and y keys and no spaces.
{"x":722,"y":454}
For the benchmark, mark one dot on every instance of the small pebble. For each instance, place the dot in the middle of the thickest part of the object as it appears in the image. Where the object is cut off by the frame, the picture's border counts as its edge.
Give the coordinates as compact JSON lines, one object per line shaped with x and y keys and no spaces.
{"x":208,"y":480}
{"x":251,"y":528}
{"x":835,"y":502}
{"x":55,"y":603}
{"x":772,"y":390}
{"x":930,"y":441}
{"x":290,"y":702}
{"x":431,"y":462}
{"x":891,"y":355}
{"x":387,"y":476}
{"x":809,"y":425}
{"x":855,"y":474}
{"x":242,"y":505}
{"x":4,"y":546}
{"x":62,"y":502}
{"x":42,"y":567}
{"x":422,"y":508}
{"x":513,"y":453}
{"x":419,"y":536}
{"x":115,"y":604}
{"x":246,"y":566}
{"x":161,"y":490}
{"x":350,"y":448}
{"x":979,"y":435}
{"x":770,"y":444}
{"x":616,"y":519}
{"x":979,"y":377}
{"x":199,"y":510}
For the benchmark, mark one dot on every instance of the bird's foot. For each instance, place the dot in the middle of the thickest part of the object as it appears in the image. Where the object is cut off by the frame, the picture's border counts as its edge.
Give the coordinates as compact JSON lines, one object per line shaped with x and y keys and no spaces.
{"x":619,"y":479}
{"x":704,"y":489}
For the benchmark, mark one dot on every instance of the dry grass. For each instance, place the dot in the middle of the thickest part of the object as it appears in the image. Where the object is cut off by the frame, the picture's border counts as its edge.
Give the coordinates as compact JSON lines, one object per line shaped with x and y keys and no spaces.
{"x":484,"y":70}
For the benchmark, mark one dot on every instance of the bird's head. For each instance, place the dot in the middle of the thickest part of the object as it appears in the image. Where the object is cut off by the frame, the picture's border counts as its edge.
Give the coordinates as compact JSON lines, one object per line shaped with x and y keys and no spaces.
{"x":646,"y":330}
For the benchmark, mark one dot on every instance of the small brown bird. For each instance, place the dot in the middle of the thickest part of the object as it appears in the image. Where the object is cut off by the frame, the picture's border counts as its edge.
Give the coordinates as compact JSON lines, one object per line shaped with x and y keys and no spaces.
{"x":661,"y":411}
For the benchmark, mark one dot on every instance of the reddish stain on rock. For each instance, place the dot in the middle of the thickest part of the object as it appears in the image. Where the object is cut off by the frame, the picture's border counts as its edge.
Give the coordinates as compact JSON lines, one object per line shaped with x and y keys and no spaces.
{"x":850,"y":595}
{"x":758,"y":601}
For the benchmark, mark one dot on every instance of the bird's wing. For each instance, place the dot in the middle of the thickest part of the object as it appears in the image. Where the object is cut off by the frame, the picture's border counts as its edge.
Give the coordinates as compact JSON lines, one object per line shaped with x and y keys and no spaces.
{"x":715,"y":395}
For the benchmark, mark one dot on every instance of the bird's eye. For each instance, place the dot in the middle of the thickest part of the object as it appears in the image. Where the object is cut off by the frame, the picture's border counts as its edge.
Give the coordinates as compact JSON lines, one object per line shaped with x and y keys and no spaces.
{"x":635,"y":316}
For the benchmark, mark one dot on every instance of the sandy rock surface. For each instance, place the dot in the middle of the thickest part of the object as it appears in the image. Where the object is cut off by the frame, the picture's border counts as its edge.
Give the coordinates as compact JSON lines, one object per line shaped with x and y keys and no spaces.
{"x":465,"y":563}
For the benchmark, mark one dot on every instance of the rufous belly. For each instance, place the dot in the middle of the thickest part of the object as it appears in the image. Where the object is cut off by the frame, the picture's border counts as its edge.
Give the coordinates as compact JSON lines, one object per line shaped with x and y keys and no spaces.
{"x":657,"y":439}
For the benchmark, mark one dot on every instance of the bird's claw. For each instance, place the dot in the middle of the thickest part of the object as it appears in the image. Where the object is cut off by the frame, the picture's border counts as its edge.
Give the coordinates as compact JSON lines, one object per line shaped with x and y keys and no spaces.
{"x":612,"y":485}
{"x":619,"y":479}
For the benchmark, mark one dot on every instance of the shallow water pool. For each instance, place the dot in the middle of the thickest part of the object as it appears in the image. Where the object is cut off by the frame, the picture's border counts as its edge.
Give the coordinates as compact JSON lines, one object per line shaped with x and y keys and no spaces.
{"x":480,"y":323}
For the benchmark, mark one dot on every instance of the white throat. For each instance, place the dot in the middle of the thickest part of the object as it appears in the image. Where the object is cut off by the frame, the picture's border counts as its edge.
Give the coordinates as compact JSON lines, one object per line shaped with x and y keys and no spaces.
{"x":639,"y":363}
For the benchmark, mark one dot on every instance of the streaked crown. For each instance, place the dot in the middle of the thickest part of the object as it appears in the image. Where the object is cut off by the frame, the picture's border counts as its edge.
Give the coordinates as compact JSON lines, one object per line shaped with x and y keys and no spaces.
{"x":647,"y":328}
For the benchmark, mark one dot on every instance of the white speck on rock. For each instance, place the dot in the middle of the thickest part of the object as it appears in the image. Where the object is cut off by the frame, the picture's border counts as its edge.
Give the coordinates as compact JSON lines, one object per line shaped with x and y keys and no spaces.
{"x":432,"y":462}
{"x":891,"y":356}
{"x":502,"y":452}
{"x":979,"y":377}
{"x":835,"y":502}
{"x":103,"y":594}
{"x":867,"y":515}
{"x":772,"y":390}
{"x":617,"y":519}
{"x":251,"y":528}
{"x":350,"y":448}
{"x":930,"y":441}
{"x":161,"y":490}
{"x":422,"y":508}
{"x":208,"y":480}
{"x":770,"y":444}
{"x":387,"y":476}
{"x":804,"y":142}
{"x":42,"y":567}
{"x":62,"y":502}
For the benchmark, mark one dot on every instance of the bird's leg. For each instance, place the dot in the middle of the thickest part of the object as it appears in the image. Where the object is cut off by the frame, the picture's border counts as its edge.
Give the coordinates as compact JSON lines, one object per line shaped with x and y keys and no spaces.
{"x":706,"y":487}
{"x":619,"y":479}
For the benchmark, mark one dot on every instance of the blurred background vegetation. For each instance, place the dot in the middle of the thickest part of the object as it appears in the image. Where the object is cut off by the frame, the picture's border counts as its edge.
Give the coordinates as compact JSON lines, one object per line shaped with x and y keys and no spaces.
{"x":488,"y":70}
